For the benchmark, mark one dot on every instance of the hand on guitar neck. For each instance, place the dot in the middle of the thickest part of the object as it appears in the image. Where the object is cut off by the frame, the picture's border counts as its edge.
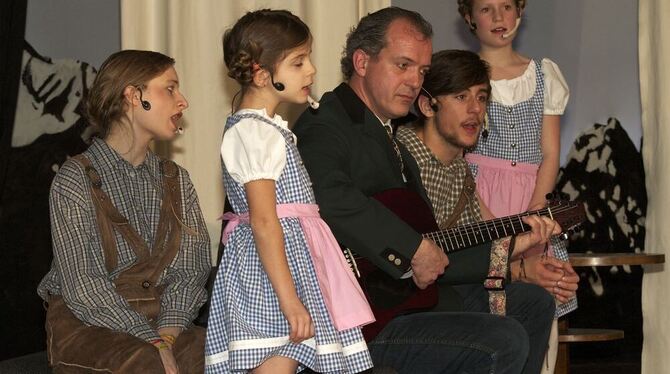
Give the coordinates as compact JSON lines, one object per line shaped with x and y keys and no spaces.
{"x":428,"y":263}
{"x":542,"y":228}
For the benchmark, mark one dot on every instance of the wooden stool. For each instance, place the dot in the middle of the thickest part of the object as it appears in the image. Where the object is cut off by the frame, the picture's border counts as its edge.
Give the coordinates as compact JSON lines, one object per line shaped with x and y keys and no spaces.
{"x":568,"y":335}
{"x":576,"y":335}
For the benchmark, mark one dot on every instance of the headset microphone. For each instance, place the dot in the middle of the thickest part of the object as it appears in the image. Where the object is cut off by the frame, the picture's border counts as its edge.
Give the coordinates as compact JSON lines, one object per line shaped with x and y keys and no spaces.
{"x":312,"y":103}
{"x":485,"y":133}
{"x":433,"y":101}
{"x":145,"y":104}
{"x":513,"y":30}
{"x":277,"y":85}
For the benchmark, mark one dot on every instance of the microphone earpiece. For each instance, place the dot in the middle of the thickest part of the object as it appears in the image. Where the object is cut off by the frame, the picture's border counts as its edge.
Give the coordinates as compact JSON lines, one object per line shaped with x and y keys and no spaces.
{"x":433,"y":101}
{"x":312,"y":103}
{"x":145,"y":104}
{"x":179,"y":131}
{"x":512,"y":31}
{"x":277,"y":85}
{"x":433,"y":105}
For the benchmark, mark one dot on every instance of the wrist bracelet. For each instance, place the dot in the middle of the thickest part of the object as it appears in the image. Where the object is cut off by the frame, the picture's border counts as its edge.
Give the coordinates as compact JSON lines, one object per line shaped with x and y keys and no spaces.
{"x":170,"y":339}
{"x":522,"y":269}
{"x":160,"y":344}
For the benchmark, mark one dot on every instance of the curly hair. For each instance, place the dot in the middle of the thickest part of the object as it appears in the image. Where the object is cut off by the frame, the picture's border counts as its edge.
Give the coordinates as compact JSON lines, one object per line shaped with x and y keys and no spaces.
{"x":105,"y":103}
{"x":370,"y":34}
{"x":261,"y":37}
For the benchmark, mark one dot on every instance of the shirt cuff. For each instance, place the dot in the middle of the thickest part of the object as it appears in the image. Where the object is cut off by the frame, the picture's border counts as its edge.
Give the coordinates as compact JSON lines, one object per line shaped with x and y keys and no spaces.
{"x":144,"y":332}
{"x":174,"y":318}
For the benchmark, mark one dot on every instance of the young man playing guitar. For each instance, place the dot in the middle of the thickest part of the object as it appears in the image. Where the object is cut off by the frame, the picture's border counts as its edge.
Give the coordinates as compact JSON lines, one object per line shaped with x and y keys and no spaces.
{"x":350,"y":157}
{"x":451,"y":109}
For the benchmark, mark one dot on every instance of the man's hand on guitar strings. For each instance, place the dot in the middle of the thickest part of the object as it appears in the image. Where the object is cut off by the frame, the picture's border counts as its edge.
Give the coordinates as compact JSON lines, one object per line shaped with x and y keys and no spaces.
{"x":542,"y":228}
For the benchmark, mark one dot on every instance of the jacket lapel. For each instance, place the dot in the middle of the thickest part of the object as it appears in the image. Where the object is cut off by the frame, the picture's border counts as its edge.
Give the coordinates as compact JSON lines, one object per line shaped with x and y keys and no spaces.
{"x":367,"y":123}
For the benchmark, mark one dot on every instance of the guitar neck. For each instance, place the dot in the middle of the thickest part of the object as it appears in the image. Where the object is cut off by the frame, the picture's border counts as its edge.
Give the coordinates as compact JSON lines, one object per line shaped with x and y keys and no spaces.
{"x":473,"y":234}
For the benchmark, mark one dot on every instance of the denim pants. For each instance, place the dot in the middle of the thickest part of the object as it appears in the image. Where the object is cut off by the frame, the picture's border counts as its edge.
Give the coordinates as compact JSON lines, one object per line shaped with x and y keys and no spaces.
{"x":471,"y":341}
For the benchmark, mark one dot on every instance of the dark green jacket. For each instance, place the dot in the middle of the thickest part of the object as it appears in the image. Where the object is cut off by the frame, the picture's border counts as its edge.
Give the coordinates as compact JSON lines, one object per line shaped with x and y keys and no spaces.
{"x":349,"y":158}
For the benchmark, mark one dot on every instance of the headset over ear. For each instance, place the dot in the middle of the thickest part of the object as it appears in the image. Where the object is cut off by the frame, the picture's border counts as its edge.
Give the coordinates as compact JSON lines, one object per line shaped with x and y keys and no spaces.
{"x":433,"y":101}
{"x":145,"y":103}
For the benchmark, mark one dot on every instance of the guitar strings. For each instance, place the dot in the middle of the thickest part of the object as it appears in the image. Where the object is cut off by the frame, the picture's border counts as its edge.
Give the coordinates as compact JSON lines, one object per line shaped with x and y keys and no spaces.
{"x":482,"y":228}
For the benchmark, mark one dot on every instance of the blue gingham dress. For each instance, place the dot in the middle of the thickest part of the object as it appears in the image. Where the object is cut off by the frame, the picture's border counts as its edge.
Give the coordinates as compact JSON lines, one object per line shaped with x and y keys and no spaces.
{"x":245,"y":324}
{"x":514,"y":134}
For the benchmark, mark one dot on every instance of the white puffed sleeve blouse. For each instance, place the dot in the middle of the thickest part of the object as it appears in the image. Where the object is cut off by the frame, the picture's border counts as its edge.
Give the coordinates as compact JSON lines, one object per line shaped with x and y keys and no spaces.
{"x":513,"y":91}
{"x":253,"y":149}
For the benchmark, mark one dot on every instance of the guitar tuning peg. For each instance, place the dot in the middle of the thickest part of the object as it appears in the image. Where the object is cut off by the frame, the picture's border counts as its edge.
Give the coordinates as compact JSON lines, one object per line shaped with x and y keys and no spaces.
{"x":563,"y":236}
{"x":549,"y":196}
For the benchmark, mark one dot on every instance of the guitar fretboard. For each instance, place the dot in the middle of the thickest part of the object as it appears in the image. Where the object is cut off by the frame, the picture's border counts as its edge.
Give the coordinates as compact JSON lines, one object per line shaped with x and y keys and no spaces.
{"x":473,"y":234}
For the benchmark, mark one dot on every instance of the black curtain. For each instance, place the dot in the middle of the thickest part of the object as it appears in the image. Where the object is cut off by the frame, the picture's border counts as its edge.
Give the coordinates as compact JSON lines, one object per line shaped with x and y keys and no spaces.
{"x":14,"y":325}
{"x":12,"y":32}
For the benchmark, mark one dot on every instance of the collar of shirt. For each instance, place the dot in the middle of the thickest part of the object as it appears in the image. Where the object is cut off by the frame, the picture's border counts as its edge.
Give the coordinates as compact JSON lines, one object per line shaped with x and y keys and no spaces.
{"x":387,"y":125}
{"x":109,"y":159}
{"x":422,"y":154}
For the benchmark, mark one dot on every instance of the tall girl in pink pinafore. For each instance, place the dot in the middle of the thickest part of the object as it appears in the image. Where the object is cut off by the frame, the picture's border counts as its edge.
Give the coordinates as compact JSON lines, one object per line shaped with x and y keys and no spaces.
{"x":516,"y":160}
{"x":284,"y":297}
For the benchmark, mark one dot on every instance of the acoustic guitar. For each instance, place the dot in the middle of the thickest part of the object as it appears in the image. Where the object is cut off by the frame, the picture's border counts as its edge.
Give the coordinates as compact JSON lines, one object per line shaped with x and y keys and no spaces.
{"x":390,"y":297}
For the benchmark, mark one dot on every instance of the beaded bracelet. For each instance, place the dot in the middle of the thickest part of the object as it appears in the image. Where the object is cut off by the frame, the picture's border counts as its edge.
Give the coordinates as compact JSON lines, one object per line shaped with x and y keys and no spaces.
{"x":170,"y":339}
{"x":160,"y":344}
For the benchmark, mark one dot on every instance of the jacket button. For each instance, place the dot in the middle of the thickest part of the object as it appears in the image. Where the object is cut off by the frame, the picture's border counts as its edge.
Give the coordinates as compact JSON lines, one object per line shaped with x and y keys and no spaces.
{"x":391,"y":257}
{"x":397,"y":262}
{"x":513,"y":145}
{"x":146,"y":284}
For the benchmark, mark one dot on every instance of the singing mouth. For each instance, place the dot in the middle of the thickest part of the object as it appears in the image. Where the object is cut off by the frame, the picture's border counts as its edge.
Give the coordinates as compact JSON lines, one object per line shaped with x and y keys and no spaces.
{"x":471,"y":126}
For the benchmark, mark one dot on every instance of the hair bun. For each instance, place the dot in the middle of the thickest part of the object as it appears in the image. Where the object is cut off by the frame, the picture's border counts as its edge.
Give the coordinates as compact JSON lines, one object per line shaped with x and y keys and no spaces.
{"x":241,"y":67}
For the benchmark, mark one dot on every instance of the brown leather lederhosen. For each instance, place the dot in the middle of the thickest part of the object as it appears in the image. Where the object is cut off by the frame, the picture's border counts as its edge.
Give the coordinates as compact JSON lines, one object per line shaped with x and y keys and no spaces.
{"x":67,"y":336}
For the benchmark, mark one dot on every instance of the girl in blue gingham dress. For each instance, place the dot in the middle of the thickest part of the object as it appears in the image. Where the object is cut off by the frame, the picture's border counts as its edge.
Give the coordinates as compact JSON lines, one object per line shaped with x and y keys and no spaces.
{"x":284,"y":298}
{"x":516,"y":160}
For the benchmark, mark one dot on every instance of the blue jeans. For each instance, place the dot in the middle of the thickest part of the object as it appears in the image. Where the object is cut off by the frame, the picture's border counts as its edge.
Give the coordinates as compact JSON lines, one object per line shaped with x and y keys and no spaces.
{"x":472,"y":341}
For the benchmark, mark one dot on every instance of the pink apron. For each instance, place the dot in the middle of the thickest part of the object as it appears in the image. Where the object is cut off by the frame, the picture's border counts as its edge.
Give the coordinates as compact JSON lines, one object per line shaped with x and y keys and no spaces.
{"x":342,"y":294}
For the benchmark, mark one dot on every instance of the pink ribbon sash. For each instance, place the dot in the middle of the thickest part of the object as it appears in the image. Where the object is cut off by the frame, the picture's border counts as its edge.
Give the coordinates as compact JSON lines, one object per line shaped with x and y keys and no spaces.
{"x":342,"y":294}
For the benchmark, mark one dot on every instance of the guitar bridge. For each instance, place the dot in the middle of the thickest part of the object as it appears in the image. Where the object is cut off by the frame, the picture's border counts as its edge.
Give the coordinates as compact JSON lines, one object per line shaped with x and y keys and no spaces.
{"x":351,"y":260}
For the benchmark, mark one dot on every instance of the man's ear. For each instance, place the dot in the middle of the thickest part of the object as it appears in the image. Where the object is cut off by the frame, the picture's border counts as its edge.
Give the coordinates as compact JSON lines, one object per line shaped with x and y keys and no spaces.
{"x":360,"y":61}
{"x":425,"y":107}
